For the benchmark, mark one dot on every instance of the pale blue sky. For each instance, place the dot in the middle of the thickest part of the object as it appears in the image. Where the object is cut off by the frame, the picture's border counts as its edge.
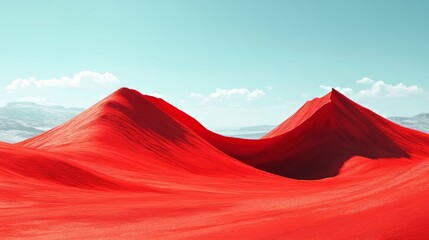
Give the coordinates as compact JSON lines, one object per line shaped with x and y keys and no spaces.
{"x":268,"y":57}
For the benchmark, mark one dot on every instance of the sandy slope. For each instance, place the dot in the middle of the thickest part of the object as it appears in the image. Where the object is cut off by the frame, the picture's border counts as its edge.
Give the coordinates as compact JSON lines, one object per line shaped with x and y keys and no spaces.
{"x":134,"y":166}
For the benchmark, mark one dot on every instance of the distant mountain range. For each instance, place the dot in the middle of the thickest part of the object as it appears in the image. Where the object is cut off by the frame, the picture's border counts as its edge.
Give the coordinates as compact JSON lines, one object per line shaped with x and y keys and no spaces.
{"x":419,"y":122}
{"x":252,"y":132}
{"x":22,"y":120}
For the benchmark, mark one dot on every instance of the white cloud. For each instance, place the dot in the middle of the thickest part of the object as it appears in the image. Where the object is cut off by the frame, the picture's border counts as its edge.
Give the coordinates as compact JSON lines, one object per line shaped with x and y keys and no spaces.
{"x":256,"y":93}
{"x":378,"y":89}
{"x":381,"y":89}
{"x":365,"y":80}
{"x":222,"y":93}
{"x":342,"y":90}
{"x":158,"y":95}
{"x":82,"y":79}
{"x":226,"y":93}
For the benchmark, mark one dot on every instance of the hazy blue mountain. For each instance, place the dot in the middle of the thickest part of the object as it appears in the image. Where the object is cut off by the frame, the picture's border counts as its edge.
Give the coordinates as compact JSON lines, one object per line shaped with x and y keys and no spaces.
{"x":252,"y":132}
{"x":21,"y":120}
{"x":419,"y":122}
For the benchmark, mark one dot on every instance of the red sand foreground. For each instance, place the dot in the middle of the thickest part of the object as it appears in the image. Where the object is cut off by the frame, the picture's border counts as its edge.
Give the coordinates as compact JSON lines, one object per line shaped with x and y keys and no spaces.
{"x":135,"y":167}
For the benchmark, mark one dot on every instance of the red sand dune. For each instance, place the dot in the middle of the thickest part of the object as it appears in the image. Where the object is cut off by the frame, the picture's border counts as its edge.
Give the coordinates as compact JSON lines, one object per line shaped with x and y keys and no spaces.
{"x":135,"y":167}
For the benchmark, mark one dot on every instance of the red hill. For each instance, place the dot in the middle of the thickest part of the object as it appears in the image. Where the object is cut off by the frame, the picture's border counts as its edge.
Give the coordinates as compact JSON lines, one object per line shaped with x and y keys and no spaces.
{"x":126,"y":124}
{"x":316,"y":141}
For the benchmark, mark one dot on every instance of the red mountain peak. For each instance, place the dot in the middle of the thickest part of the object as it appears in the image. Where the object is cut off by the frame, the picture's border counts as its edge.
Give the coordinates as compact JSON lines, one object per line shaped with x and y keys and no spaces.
{"x":308,"y":110}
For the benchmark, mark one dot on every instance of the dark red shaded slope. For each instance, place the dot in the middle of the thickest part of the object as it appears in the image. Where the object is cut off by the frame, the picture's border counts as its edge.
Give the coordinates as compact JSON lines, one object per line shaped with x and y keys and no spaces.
{"x":316,"y":141}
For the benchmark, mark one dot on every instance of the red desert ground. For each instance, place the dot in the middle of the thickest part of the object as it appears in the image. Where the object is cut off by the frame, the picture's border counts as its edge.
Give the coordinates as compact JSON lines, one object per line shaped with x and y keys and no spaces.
{"x":135,"y":167}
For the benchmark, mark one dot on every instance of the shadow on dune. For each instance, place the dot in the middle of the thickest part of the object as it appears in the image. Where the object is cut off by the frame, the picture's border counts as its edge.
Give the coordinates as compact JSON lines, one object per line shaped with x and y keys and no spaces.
{"x":312,"y":144}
